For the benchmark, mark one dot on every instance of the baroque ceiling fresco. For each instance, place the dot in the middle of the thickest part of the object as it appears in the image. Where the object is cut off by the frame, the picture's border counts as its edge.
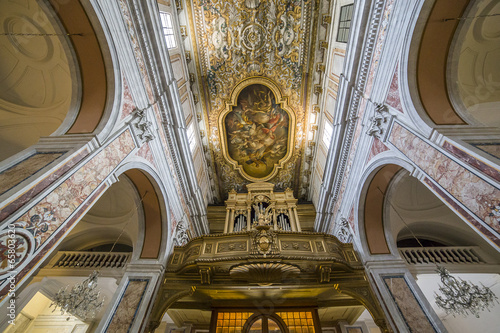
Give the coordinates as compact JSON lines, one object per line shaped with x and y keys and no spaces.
{"x":269,"y":42}
{"x":257,"y":133}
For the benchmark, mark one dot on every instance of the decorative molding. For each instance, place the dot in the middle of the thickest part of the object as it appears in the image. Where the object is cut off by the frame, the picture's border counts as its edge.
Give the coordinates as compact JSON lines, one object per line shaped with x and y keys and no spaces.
{"x":330,"y":194}
{"x":181,"y":233}
{"x":378,"y":122}
{"x":343,"y":232}
{"x":142,"y":127}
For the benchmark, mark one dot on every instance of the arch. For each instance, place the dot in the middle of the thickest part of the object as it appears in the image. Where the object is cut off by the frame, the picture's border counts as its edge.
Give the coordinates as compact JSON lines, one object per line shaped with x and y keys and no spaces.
{"x":432,"y":57}
{"x":89,"y":52}
{"x":373,"y":209}
{"x":152,"y":214}
{"x":58,"y":82}
{"x":368,"y":189}
{"x":412,"y":210}
{"x":256,"y":316}
{"x":155,"y":235}
{"x":473,"y":69}
{"x":149,"y":235}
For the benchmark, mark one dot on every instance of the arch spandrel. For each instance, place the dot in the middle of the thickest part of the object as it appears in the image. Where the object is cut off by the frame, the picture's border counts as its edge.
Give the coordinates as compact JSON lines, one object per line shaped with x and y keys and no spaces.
{"x":257,"y":129}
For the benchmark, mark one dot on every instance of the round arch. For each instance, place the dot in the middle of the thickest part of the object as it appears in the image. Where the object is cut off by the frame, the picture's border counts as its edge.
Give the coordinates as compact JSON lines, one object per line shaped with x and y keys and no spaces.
{"x":58,"y":82}
{"x":138,"y":196}
{"x":154,"y":230}
{"x":373,"y":236}
{"x":265,"y":319}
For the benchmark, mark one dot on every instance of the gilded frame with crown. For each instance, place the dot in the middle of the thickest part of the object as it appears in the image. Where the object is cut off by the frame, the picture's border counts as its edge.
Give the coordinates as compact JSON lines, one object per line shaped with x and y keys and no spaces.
{"x":232,"y":102}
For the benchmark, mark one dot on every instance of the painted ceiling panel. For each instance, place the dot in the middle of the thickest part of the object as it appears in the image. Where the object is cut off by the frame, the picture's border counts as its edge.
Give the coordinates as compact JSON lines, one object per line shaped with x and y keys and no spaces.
{"x":270,"y":42}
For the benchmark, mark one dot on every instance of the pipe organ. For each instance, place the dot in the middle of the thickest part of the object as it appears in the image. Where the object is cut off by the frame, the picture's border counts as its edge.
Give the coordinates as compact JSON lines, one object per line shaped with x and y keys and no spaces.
{"x":261,"y":206}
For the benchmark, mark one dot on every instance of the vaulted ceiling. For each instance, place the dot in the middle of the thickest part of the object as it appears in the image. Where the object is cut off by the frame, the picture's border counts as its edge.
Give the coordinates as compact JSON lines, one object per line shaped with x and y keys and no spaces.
{"x":255,"y":68}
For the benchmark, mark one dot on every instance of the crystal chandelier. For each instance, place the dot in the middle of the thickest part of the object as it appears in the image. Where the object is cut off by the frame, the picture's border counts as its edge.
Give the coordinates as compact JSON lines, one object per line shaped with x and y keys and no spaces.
{"x":82,"y":300}
{"x":462,"y":297}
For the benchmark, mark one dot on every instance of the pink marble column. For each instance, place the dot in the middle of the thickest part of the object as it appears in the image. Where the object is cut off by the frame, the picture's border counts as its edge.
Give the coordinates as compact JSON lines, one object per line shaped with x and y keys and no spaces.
{"x":126,"y":312}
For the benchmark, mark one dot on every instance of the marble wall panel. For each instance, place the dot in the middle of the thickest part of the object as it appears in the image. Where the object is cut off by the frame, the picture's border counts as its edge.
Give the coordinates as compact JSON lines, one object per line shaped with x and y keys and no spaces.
{"x":42,"y":184}
{"x":126,"y":311}
{"x":474,"y":222}
{"x":472,"y":161}
{"x":351,"y":220}
{"x":480,"y":197}
{"x":492,"y":149}
{"x":37,"y":257}
{"x":368,"y":87}
{"x":25,"y":169}
{"x":50,"y":212}
{"x":354,"y":329}
{"x":392,"y":98}
{"x":128,"y":103}
{"x":145,"y":152}
{"x":376,"y":148}
{"x":407,"y":304}
{"x":379,"y":44}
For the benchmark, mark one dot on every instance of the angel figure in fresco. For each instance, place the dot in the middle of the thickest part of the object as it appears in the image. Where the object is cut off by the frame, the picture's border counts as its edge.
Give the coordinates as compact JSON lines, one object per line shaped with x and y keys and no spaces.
{"x":257,"y":130}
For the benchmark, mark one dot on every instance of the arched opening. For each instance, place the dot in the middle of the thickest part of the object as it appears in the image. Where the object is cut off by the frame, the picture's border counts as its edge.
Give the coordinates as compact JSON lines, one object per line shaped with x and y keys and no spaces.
{"x":426,"y":232}
{"x":269,"y":323}
{"x":373,"y":209}
{"x":124,"y":225}
{"x":52,"y":74}
{"x":474,"y":66}
{"x":457,"y":71}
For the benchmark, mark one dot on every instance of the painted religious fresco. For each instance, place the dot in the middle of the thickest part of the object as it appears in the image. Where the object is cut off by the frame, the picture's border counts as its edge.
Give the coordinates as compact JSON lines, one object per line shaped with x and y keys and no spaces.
{"x":257,"y":131}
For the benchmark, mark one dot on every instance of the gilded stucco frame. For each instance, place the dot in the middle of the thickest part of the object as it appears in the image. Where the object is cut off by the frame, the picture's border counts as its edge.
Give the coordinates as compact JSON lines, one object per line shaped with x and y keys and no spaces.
{"x":232,"y":102}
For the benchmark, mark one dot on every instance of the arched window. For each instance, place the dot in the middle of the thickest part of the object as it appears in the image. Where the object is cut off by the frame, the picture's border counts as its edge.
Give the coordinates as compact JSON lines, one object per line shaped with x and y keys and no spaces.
{"x":260,"y":323}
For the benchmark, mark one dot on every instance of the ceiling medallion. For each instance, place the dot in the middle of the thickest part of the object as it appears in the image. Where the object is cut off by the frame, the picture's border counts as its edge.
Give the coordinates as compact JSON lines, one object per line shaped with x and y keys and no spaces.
{"x":258,"y":129}
{"x":253,"y":37}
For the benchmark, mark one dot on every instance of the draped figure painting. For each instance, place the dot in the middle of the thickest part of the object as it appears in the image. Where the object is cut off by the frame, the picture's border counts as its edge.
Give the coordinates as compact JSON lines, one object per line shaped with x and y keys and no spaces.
{"x":257,"y":131}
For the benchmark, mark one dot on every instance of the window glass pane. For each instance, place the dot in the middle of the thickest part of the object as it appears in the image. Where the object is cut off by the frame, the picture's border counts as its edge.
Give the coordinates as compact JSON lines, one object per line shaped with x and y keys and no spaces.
{"x":273,"y":326}
{"x":256,"y":327}
{"x":168,"y":29}
{"x":345,"y":18}
{"x":327,"y":133}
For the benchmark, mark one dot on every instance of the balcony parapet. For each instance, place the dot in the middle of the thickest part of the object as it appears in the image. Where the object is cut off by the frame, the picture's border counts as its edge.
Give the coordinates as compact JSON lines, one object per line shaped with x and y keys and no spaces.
{"x":456,"y":259}
{"x":81,"y":263}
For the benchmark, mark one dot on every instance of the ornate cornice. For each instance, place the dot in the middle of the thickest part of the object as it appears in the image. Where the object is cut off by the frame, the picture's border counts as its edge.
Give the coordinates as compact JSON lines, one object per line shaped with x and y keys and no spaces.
{"x":330,"y":194}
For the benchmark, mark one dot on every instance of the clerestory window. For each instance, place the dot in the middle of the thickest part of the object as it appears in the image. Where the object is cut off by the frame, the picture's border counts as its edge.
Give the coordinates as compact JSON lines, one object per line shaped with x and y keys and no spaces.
{"x":168,"y":29}
{"x":344,"y":23}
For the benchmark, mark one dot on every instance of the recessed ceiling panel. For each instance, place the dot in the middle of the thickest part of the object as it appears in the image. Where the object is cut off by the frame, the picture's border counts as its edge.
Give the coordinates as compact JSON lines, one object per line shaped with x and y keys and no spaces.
{"x":257,"y":133}
{"x":237,"y":41}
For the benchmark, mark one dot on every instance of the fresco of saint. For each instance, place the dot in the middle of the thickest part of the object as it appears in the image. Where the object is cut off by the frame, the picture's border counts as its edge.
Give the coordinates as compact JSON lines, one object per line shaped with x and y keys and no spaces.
{"x":257,"y":131}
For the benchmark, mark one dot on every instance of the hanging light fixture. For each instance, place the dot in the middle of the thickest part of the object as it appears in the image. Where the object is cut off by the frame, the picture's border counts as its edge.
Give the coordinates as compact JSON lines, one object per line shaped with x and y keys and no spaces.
{"x":82,"y":300}
{"x":462,"y":297}
{"x":459,"y":297}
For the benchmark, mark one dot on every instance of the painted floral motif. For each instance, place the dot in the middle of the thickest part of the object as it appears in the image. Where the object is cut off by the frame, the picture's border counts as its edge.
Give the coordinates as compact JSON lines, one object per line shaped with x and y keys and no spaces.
{"x":38,"y":223}
{"x":50,"y":213}
{"x":243,"y":41}
{"x":17,"y":243}
{"x":257,"y":131}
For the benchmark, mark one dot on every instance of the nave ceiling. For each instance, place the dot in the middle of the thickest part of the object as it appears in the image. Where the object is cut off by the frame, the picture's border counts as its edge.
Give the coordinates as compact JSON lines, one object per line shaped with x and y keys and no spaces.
{"x":254,"y":62}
